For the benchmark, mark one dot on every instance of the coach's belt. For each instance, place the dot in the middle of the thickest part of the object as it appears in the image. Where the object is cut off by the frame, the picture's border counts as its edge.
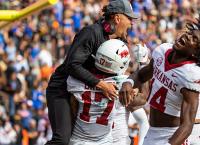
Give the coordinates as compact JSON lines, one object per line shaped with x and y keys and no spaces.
{"x":197,"y":121}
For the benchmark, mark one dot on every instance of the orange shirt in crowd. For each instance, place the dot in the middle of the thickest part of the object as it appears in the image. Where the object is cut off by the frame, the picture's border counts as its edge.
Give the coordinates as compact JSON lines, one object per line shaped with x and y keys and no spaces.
{"x":46,"y":72}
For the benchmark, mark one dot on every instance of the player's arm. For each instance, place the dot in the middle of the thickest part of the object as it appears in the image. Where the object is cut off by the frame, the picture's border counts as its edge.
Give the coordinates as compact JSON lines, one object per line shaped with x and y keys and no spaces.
{"x":188,"y":113}
{"x":141,"y":97}
{"x":139,"y":77}
{"x":139,"y":114}
{"x":74,"y":106}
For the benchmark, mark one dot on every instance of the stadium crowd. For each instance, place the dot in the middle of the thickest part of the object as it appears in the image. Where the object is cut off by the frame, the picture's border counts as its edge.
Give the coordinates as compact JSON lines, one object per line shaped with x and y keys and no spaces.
{"x":31,"y":49}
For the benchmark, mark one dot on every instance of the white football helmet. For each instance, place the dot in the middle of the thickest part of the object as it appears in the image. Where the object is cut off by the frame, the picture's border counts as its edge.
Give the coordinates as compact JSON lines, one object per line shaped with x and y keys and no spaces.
{"x":112,"y":57}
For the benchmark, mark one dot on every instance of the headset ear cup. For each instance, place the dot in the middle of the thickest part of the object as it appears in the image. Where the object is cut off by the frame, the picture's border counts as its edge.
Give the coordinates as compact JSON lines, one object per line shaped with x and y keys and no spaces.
{"x":113,"y":29}
{"x":108,"y":27}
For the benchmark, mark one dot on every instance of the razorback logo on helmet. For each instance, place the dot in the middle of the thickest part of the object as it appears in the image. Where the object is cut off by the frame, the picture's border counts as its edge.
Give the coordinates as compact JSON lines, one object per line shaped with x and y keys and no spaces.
{"x":124,"y":53}
{"x":197,"y":81}
{"x":159,"y":61}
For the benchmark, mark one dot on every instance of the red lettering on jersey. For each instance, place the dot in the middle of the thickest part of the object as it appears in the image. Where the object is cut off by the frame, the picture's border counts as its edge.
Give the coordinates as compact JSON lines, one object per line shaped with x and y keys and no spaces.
{"x":170,"y":85}
{"x":113,"y":125}
{"x":86,"y":96}
{"x":162,"y":93}
{"x":166,"y":82}
{"x":174,"y":87}
{"x":163,"y":79}
{"x":160,"y":77}
{"x":155,"y":70}
{"x":103,"y":118}
{"x":157,"y":74}
{"x":86,"y":107}
{"x":124,"y":53}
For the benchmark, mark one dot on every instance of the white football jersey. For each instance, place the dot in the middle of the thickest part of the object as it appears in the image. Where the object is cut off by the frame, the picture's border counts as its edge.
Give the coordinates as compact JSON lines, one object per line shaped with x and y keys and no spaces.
{"x":96,"y":112}
{"x":168,"y":80}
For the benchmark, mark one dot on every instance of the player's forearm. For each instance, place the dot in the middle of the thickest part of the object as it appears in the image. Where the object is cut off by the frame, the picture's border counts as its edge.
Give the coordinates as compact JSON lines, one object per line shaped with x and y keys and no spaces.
{"x":181,"y":134}
{"x":187,"y":118}
{"x":143,"y":75}
{"x":144,"y":89}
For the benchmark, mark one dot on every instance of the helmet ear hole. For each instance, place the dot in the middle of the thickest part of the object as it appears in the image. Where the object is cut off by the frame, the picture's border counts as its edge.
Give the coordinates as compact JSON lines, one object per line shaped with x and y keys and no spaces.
{"x":121,"y":67}
{"x":117,"y":51}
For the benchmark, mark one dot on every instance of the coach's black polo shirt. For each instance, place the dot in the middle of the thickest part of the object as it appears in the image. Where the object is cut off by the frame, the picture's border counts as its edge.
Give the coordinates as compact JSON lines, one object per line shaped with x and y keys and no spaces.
{"x":79,"y":62}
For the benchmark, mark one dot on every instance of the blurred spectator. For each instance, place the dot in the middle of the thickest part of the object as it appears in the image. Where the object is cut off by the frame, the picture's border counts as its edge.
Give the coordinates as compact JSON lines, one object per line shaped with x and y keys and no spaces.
{"x":13,"y":87}
{"x":10,"y":69}
{"x":37,"y":97}
{"x":45,"y":72}
{"x":39,"y":115}
{"x":44,"y":129}
{"x":68,"y":22}
{"x":3,"y":114}
{"x":21,"y":64}
{"x":45,"y":57}
{"x":77,"y":17}
{"x":34,"y":52}
{"x":31,"y":82}
{"x":32,"y":132}
{"x":2,"y":42}
{"x":18,"y":130}
{"x":11,"y":50}
{"x":7,"y":133}
{"x":26,"y":114}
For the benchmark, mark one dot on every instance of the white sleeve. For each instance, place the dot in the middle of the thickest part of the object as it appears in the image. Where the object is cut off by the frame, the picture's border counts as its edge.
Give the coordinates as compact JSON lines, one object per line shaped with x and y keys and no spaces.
{"x":141,"y":118}
{"x":193,"y":83}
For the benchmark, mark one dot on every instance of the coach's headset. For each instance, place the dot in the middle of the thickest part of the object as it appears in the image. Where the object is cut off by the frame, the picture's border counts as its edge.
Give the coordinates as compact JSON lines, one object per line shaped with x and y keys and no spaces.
{"x":110,"y":29}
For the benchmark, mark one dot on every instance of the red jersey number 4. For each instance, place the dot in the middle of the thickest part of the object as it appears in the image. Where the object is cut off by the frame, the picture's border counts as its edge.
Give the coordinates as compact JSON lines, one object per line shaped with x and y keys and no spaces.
{"x":158,"y":99}
{"x":86,"y":96}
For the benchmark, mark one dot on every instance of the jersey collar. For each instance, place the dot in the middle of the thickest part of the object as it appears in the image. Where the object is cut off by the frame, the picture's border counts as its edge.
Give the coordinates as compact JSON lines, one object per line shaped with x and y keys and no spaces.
{"x":172,"y":66}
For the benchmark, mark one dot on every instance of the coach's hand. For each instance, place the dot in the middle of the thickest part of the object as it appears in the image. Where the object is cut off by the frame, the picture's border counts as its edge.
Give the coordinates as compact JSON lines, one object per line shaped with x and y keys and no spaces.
{"x":108,"y":89}
{"x":126,"y":94}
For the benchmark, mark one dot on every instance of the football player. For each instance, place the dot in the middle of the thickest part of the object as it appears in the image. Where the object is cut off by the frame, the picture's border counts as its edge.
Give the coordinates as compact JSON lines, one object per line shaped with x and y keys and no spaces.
{"x":95,"y":117}
{"x":174,"y":89}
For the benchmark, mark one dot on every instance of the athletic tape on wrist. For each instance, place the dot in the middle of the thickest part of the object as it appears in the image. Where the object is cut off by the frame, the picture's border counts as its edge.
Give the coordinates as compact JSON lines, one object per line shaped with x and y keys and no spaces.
{"x":130,"y":81}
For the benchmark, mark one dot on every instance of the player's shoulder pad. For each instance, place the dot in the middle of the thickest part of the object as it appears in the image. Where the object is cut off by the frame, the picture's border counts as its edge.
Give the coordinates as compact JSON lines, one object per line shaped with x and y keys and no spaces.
{"x":161,"y":49}
{"x":192,"y":72}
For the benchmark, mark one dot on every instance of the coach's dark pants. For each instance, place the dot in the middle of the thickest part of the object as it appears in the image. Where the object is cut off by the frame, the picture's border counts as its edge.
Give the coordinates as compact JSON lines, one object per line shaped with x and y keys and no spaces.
{"x":58,"y":103}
